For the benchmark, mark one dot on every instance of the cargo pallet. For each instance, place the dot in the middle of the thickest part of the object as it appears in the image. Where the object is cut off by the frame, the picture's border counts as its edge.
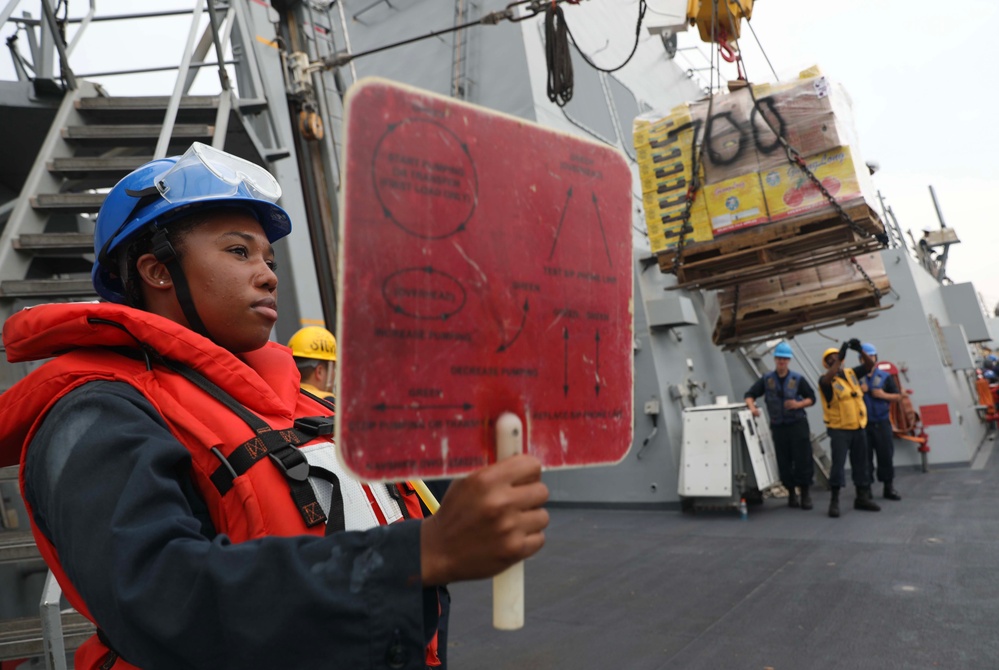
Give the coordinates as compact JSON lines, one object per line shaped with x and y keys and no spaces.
{"x":787,"y":316}
{"x":805,"y":241}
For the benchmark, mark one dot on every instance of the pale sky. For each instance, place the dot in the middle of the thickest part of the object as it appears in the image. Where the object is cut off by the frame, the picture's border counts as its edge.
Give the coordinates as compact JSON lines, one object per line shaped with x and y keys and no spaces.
{"x":918,"y":73}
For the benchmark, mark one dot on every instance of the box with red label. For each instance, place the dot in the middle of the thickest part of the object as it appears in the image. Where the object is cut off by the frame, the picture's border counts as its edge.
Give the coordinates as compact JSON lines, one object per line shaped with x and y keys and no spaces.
{"x":735,"y":203}
{"x":789,"y":191}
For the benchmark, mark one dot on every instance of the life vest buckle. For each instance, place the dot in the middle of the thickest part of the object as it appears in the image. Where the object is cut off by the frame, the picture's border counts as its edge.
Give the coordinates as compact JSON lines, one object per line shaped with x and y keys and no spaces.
{"x":316,"y":425}
{"x":292,"y":463}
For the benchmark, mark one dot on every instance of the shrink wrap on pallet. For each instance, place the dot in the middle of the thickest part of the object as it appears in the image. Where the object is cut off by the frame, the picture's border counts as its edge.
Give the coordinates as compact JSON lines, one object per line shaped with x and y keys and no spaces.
{"x":746,"y":178}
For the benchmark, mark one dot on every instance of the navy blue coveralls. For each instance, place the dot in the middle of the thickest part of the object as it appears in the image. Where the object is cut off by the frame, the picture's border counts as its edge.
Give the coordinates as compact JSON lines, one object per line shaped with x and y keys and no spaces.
{"x":792,"y":438}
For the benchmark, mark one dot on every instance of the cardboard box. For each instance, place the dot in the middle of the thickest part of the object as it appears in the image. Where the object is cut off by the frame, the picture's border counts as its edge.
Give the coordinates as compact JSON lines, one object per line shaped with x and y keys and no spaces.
{"x":735,"y":203}
{"x":788,"y":191}
{"x":663,"y":223}
{"x":729,"y":150}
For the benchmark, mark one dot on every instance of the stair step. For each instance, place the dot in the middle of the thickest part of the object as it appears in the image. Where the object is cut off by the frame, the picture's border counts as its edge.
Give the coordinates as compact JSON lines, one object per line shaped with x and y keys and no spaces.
{"x":139,"y":108}
{"x":94,"y":166}
{"x":128,"y":134}
{"x":9,"y":473}
{"x":68,"y":202}
{"x":33,"y":288}
{"x":22,"y":638}
{"x":82,"y":242}
{"x":17,"y":546}
{"x":145,"y":102}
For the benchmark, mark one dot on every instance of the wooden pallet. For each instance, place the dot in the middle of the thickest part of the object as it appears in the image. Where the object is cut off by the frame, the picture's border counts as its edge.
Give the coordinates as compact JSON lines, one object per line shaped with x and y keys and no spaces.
{"x":771,"y":263}
{"x":806,"y":240}
{"x":788,"y":316}
{"x":733,"y":342}
{"x":780,"y":303}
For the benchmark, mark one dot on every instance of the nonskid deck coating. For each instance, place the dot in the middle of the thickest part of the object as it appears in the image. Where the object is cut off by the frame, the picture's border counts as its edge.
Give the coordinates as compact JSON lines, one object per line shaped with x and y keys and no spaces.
{"x":913,"y":586}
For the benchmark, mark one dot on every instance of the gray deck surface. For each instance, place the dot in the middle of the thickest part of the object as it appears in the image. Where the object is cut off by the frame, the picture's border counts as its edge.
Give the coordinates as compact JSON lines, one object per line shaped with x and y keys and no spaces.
{"x":913,"y":586}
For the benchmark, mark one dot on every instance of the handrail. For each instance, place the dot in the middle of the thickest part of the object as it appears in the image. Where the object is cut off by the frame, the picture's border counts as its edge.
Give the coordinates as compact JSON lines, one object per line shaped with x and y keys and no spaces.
{"x":170,"y":117}
{"x":83,"y":26}
{"x":218,"y":33}
{"x":65,"y":70}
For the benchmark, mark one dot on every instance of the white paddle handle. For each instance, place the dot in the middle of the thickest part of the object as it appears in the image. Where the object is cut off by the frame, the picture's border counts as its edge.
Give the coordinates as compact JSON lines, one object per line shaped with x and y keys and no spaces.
{"x":508,"y":586}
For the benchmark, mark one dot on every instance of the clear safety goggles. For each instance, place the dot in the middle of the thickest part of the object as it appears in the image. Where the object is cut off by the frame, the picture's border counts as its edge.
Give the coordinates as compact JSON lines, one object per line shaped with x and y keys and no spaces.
{"x":204,"y":172}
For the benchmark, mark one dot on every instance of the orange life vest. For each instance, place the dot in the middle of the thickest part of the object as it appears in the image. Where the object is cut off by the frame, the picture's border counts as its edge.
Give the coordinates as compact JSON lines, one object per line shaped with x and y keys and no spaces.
{"x":255,"y":504}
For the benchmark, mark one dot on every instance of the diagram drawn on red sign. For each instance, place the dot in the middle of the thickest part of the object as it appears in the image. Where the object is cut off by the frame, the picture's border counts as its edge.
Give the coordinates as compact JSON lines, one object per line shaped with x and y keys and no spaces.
{"x":485,"y":267}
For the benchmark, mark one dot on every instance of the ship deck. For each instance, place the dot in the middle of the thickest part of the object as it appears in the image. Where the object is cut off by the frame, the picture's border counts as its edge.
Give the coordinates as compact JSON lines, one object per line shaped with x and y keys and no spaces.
{"x":913,"y":586}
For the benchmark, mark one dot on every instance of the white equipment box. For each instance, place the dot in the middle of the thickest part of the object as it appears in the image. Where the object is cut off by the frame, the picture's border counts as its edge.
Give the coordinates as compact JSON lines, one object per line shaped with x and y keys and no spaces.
{"x":722,"y":446}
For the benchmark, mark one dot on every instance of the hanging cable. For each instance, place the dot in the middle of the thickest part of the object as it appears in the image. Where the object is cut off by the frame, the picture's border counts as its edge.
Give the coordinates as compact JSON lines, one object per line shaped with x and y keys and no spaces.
{"x":532,"y":9}
{"x":642,"y":7}
{"x":795,"y":158}
{"x":765,"y":56}
{"x":557,"y":56}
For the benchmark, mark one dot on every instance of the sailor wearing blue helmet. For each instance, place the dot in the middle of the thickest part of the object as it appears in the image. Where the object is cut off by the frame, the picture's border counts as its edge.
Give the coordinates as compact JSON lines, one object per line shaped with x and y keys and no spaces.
{"x":787,"y":394}
{"x":182,"y":489}
{"x":880,"y":392}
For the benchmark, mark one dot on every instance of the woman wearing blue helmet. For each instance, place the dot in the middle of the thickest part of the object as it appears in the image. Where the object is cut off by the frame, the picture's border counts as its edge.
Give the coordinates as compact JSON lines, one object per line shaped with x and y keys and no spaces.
{"x":185,"y":493}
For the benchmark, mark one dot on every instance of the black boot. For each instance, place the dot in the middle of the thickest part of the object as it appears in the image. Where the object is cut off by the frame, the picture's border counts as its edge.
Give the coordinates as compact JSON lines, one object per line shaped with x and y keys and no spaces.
{"x":792,"y":497}
{"x":864,"y":500}
{"x":834,"y":503}
{"x":806,"y":498}
{"x":891,"y":493}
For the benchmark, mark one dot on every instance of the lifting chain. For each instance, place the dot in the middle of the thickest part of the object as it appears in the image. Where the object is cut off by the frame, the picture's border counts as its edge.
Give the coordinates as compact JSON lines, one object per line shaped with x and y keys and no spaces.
{"x":877,"y":291}
{"x":795,"y":158}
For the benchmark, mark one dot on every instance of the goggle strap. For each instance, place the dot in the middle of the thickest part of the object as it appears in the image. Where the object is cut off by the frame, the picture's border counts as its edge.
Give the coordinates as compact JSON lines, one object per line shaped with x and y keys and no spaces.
{"x":143,"y":193}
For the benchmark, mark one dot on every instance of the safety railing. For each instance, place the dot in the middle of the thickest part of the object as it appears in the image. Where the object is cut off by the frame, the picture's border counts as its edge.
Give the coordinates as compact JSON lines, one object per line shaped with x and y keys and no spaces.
{"x":46,"y":36}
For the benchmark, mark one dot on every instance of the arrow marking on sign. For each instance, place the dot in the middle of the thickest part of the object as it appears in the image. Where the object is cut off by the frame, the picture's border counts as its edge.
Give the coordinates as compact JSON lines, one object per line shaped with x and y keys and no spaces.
{"x":565,"y":383}
{"x":523,"y":320}
{"x":561,"y":220}
{"x":600,"y":223}
{"x":410,"y":226}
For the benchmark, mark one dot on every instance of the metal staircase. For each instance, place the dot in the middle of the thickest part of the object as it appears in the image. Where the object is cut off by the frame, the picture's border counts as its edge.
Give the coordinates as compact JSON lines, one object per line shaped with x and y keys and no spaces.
{"x":46,"y":245}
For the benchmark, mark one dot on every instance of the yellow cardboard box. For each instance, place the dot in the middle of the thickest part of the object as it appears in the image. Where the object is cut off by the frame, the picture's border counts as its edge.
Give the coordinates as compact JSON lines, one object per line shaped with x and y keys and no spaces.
{"x":789,"y":191}
{"x":735,"y":203}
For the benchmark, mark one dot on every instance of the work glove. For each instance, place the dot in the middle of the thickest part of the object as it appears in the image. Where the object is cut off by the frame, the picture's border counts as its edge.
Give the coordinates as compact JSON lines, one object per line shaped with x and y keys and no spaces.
{"x":842,"y":351}
{"x":855,"y":345}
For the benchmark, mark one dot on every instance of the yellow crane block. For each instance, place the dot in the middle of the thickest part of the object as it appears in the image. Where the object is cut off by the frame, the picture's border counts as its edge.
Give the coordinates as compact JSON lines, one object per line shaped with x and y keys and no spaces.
{"x":729,"y":15}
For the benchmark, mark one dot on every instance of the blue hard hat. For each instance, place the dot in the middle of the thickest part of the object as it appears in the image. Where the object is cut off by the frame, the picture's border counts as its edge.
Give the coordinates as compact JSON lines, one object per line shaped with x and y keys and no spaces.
{"x":869,"y":349}
{"x":167,"y":189}
{"x":783,"y":350}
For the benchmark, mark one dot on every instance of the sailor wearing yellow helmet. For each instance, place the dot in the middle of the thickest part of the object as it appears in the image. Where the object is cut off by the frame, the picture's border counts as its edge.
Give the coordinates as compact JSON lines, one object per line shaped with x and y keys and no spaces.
{"x":314,"y":349}
{"x":846,"y":417}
